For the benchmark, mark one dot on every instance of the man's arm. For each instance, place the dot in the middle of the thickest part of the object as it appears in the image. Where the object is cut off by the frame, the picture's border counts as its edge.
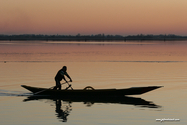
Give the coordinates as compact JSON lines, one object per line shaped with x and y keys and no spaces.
{"x":68,"y":77}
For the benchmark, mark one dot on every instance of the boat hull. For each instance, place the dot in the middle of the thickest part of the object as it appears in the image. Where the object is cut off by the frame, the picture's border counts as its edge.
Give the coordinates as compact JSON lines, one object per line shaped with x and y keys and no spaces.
{"x":91,"y":93}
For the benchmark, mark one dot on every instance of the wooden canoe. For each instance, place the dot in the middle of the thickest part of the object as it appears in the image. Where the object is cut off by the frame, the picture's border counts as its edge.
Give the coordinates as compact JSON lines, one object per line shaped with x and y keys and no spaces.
{"x":91,"y":93}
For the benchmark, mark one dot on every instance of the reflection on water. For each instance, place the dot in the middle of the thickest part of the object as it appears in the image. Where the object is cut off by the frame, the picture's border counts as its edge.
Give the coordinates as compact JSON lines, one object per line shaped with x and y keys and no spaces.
{"x":93,"y":51}
{"x":101,"y":65}
{"x":90,"y":101}
{"x":110,"y":99}
{"x":62,"y":114}
{"x":13,"y":93}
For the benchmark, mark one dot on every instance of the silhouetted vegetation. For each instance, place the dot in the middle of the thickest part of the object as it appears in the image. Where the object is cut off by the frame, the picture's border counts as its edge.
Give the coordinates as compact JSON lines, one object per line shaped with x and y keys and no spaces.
{"x":98,"y":37}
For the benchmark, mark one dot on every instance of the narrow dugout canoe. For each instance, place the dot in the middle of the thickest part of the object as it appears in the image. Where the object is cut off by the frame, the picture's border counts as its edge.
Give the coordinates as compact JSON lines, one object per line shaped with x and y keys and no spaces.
{"x":91,"y":93}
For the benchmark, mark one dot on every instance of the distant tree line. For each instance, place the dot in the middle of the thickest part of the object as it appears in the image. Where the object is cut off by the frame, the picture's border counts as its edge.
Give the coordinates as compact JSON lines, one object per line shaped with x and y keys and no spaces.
{"x":98,"y":37}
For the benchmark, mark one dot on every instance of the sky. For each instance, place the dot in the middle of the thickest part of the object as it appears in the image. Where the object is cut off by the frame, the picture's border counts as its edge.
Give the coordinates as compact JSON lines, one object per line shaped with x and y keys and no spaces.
{"x":64,"y":17}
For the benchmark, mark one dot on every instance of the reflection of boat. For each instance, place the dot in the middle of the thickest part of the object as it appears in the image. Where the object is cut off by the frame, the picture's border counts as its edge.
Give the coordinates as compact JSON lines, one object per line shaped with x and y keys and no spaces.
{"x":107,"y":99}
{"x":63,"y":111}
{"x":91,"y":92}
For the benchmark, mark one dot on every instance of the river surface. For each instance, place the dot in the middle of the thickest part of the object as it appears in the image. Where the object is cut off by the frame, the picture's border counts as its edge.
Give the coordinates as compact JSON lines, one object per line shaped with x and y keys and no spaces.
{"x":100,"y":65}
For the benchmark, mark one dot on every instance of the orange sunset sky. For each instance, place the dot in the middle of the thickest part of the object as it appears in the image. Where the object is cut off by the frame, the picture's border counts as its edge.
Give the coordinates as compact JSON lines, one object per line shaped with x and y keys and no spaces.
{"x":124,"y":17}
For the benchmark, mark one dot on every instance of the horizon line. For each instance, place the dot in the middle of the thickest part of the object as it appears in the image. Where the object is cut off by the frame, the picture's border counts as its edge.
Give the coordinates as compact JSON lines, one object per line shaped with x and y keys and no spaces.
{"x":102,"y":34}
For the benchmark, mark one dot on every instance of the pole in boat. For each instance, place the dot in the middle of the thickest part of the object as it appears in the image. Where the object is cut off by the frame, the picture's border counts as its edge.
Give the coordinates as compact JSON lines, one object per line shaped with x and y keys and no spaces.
{"x":53,"y":87}
{"x":69,"y":85}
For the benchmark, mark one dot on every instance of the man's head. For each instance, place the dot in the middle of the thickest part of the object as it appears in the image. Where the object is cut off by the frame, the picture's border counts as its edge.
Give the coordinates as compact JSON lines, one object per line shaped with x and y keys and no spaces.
{"x":64,"y":68}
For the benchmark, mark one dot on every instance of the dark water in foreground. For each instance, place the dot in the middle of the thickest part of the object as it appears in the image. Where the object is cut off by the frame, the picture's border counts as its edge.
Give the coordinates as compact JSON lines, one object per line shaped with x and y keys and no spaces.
{"x":100,"y":65}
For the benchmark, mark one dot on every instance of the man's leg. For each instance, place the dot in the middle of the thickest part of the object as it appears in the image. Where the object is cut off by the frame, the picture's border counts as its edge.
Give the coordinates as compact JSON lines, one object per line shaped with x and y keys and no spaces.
{"x":58,"y":84}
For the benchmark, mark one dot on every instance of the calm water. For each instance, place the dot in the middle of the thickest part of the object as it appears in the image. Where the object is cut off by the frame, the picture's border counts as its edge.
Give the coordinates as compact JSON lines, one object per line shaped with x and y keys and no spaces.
{"x":96,"y":64}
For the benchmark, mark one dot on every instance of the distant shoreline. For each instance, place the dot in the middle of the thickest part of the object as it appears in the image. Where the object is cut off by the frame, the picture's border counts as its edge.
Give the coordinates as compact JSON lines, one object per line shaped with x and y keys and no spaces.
{"x":98,"y":37}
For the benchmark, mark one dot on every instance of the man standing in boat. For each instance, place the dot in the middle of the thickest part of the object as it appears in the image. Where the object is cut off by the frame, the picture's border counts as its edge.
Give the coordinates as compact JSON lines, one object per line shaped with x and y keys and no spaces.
{"x":60,"y":75}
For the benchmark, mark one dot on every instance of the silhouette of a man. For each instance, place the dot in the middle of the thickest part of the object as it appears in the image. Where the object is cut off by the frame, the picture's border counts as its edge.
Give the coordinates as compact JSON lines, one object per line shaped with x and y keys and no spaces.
{"x":60,"y":75}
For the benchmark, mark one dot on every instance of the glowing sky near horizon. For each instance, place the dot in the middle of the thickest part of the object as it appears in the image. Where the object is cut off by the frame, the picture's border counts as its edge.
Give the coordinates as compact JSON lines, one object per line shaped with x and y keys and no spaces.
{"x":124,"y":17}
